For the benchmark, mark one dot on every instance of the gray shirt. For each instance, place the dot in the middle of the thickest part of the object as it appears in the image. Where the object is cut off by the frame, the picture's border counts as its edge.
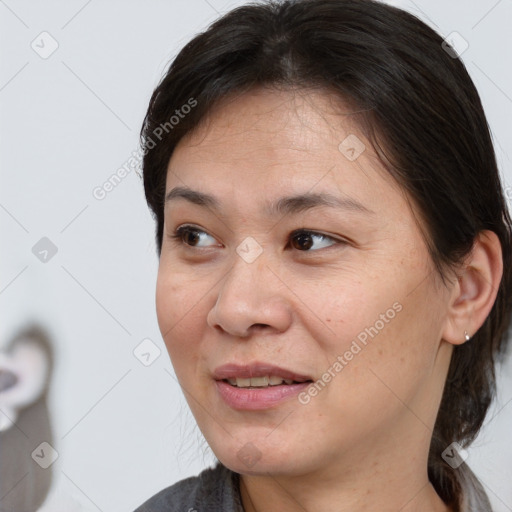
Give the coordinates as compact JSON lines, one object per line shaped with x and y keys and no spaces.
{"x":217,"y":490}
{"x":213,"y":490}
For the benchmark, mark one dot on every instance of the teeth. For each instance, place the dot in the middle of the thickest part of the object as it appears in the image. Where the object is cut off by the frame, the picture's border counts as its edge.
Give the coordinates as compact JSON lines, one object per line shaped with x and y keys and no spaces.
{"x":259,"y":382}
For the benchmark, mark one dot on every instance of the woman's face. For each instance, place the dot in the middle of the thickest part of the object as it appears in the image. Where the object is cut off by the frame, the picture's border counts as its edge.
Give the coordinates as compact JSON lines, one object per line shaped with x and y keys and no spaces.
{"x":305,"y":258}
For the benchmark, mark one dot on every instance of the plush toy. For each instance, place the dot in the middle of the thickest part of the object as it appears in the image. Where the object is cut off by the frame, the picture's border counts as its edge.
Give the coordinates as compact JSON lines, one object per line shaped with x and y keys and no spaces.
{"x":26,"y":444}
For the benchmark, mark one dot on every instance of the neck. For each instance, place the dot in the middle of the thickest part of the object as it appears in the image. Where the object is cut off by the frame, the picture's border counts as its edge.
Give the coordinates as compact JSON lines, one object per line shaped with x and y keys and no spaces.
{"x":270,"y":494}
{"x":389,"y":475}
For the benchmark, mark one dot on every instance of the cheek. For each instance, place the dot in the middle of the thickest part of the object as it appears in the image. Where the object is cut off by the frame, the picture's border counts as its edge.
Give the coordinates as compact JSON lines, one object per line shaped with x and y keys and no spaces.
{"x":183,"y":300}
{"x":354,"y":307}
{"x":178,"y":294}
{"x":399,"y":351}
{"x":179,"y":308}
{"x":167,"y":303}
{"x":385,"y":325}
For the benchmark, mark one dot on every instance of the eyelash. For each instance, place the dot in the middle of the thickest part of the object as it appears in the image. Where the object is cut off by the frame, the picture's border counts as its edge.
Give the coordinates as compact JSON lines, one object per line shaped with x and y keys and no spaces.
{"x":181,"y":230}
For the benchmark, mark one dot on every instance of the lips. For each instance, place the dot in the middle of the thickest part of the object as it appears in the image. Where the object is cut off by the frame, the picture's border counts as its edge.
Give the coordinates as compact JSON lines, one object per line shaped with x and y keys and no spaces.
{"x":257,"y":369}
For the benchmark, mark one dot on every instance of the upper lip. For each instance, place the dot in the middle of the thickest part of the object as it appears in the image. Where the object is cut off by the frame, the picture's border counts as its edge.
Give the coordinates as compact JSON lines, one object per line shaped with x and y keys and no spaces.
{"x":256,"y":369}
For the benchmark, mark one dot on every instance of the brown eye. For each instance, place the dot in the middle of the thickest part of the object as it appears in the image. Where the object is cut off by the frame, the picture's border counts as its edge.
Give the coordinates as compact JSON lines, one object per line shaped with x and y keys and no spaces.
{"x":190,"y":237}
{"x":193,"y":237}
{"x":303,"y":240}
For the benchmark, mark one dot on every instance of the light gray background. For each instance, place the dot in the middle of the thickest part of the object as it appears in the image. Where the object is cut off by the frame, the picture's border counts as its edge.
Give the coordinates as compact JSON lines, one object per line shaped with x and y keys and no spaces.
{"x":123,"y":430}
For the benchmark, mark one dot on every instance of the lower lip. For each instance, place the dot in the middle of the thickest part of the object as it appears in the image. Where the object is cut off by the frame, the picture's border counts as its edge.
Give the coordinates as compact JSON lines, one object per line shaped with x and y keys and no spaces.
{"x":253,"y":399}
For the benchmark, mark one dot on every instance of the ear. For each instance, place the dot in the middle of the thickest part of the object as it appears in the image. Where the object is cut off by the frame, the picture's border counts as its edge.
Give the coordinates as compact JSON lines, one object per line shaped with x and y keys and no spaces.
{"x":474,"y":293}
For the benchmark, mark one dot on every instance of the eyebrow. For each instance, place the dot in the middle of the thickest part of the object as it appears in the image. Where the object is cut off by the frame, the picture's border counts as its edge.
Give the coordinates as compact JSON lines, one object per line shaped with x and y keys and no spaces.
{"x":284,"y":205}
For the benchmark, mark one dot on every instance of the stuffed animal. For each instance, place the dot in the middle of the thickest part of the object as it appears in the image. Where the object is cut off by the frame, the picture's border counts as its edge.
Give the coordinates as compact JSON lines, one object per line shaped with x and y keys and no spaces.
{"x":26,"y":444}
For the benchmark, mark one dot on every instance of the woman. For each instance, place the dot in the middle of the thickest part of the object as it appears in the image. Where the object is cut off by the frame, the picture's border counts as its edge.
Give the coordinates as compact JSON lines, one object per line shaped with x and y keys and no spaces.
{"x":332,"y":233}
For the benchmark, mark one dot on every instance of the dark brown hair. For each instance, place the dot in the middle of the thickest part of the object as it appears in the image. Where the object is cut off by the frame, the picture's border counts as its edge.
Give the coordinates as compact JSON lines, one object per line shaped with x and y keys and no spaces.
{"x":420,"y":110}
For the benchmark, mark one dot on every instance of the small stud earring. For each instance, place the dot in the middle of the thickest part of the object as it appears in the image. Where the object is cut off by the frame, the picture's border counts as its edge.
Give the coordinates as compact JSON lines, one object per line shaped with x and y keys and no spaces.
{"x":466,"y":335}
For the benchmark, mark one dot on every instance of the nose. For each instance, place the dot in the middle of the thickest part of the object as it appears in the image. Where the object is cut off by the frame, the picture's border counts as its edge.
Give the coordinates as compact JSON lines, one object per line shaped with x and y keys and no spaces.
{"x":251,"y":297}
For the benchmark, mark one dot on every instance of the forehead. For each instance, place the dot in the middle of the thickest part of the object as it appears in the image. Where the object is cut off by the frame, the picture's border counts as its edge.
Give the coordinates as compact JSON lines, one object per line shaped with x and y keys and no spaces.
{"x":266,"y":142}
{"x":278,"y":120}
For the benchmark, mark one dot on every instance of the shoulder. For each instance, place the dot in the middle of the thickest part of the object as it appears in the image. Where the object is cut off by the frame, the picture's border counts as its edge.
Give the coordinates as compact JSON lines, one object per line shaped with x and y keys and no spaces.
{"x":213,"y":490}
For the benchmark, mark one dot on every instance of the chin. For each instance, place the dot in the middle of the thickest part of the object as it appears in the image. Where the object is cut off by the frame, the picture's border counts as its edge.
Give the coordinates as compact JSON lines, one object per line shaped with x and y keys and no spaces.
{"x":257,"y":459}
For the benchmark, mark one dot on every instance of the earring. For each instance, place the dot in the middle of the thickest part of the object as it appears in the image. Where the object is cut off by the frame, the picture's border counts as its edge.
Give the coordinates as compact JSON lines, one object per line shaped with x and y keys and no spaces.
{"x":467,"y":336}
